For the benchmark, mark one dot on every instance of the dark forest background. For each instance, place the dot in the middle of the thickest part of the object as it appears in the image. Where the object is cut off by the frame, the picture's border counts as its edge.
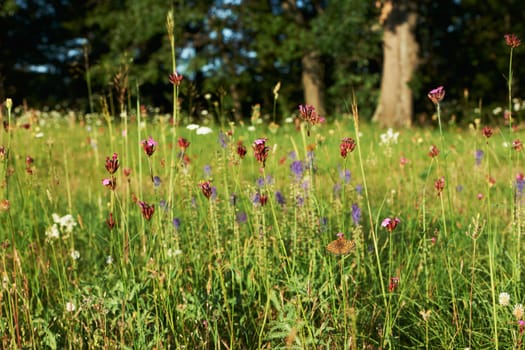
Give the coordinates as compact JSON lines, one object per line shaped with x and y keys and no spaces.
{"x":238,"y":50}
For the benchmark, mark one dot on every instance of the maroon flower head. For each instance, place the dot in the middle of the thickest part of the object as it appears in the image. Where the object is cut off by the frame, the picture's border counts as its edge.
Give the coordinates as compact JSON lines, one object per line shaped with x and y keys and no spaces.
{"x":149,"y":146}
{"x":206,"y":189}
{"x":437,"y":94}
{"x":147,"y":210}
{"x":390,"y":224}
{"x":263,"y":199}
{"x":439,"y":185}
{"x":517,"y":145}
{"x":309,"y":115}
{"x":112,"y":163}
{"x":487,"y":131}
{"x":175,"y":78}
{"x":241,"y":149}
{"x":347,"y":145}
{"x":433,"y":152}
{"x":260,"y":150}
{"x":512,"y":40}
{"x":394,"y":281}
{"x":183,"y":143}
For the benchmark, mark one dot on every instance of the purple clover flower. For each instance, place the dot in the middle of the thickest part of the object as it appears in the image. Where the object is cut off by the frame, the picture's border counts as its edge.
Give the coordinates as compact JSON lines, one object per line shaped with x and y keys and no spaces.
{"x":176,"y":223}
{"x":356,"y":214}
{"x":479,"y":156}
{"x":280,"y":198}
{"x":297,"y":169}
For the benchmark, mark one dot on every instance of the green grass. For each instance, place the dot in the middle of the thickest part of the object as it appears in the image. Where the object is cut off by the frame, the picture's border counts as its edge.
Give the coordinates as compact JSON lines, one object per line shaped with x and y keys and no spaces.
{"x":217,"y":282}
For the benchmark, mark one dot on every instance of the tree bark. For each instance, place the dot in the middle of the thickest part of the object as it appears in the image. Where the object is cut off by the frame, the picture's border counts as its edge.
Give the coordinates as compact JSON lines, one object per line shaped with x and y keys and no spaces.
{"x":312,"y":79}
{"x":400,"y":58}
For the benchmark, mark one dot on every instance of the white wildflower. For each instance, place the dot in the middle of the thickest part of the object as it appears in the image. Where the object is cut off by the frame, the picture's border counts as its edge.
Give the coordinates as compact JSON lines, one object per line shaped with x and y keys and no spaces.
{"x":203,"y":130}
{"x":389,"y":138}
{"x":52,"y":232}
{"x":39,"y":135}
{"x":251,"y":128}
{"x":497,"y":110}
{"x":75,"y":254}
{"x":504,"y":298}
{"x":70,"y":306}
{"x":193,"y":126}
{"x":288,"y":120}
{"x":170,"y":253}
{"x":109,"y":260}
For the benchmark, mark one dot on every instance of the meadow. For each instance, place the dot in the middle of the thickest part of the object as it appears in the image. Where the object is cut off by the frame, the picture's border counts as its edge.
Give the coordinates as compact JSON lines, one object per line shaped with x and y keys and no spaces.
{"x":135,"y":232}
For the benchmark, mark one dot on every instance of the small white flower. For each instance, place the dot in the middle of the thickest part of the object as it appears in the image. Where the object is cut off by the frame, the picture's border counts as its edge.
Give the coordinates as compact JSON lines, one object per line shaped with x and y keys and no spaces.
{"x":504,"y":298}
{"x":497,"y":110}
{"x":52,"y":232}
{"x":39,"y":135}
{"x":505,"y":144}
{"x":288,"y":120}
{"x":75,"y":254}
{"x":251,"y":128}
{"x":70,"y":306}
{"x":389,"y":138}
{"x":109,"y":260}
{"x":204,"y":112}
{"x":207,"y":96}
{"x":192,"y":126}
{"x":203,"y":130}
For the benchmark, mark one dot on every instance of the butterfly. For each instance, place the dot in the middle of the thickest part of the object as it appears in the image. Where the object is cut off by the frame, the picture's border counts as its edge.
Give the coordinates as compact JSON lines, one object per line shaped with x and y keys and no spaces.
{"x":340,"y":246}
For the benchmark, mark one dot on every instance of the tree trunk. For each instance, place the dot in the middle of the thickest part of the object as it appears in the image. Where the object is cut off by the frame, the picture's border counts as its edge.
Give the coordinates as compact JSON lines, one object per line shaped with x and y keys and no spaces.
{"x":400,"y":51}
{"x":312,"y":78}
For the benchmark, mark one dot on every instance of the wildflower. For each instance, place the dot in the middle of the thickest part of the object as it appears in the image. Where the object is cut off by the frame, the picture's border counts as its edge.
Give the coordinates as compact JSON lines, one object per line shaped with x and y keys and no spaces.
{"x":4,"y":205}
{"x":110,"y":182}
{"x":520,"y":182}
{"x":203,"y":130}
{"x":75,"y":255}
{"x":487,"y":131}
{"x":70,"y":306}
{"x":478,"y":155}
{"x":127,"y":172}
{"x":389,"y":137}
{"x":263,"y":199}
{"x":223,"y":140}
{"x":241,"y":149}
{"x":521,"y":326}
{"x":425,"y":314}
{"x":110,"y":221}
{"x":439,"y":185}
{"x":8,"y":103}
{"x":183,"y":143}
{"x":347,"y":146}
{"x":297,"y":169}
{"x":149,"y":146}
{"x":504,"y":298}
{"x":260,"y":150}
{"x":403,"y":161}
{"x":170,"y":253}
{"x":390,"y":224}
{"x":356,"y":214}
{"x":109,"y":260}
{"x":280,"y":198}
{"x":66,"y":222}
{"x":53,"y":232}
{"x":518,"y":311}
{"x":433,"y":152}
{"x":480,"y":196}
{"x":175,"y":78}
{"x":241,"y":217}
{"x":394,"y":282}
{"x":345,"y":175}
{"x":147,"y":210}
{"x":512,"y":40}
{"x":437,"y":94}
{"x":112,"y":164}
{"x":517,"y":145}
{"x":29,"y":161}
{"x":192,"y":126}
{"x":206,"y":189}
{"x":176,"y":223}
{"x":309,"y":115}
{"x":156,"y":181}
{"x":341,"y":245}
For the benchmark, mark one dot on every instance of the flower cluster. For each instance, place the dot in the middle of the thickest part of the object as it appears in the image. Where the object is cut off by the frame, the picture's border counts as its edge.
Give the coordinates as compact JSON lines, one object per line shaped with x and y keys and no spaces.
{"x":512,"y":40}
{"x":347,"y":146}
{"x":390,"y":223}
{"x":260,"y":150}
{"x":437,"y":95}
{"x":149,"y":146}
{"x":175,"y":78}
{"x":309,"y":115}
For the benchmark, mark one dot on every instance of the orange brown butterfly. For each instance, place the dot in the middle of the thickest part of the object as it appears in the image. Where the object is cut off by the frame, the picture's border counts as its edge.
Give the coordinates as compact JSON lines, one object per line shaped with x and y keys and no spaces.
{"x":341,"y":245}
